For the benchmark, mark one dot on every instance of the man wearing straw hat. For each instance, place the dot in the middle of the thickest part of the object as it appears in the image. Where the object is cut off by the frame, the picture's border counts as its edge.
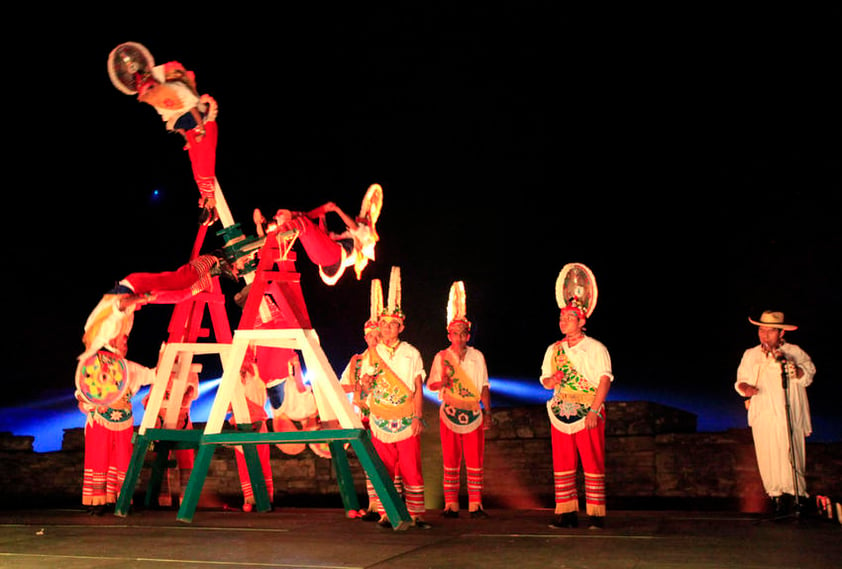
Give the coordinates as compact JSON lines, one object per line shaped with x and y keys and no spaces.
{"x":774,"y":375}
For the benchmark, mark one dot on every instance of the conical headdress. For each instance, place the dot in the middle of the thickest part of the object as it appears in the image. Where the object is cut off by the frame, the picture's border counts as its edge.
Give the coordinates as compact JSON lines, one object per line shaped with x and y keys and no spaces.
{"x":456,"y":305}
{"x":376,"y":306}
{"x":393,"y":308}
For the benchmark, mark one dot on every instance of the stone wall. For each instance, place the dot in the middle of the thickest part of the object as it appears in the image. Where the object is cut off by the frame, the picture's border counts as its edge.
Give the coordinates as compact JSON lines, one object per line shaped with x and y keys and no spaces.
{"x":654,"y":459}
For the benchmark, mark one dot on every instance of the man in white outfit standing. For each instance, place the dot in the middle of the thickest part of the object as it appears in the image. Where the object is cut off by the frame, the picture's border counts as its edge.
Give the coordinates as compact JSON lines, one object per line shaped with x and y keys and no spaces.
{"x":774,"y":376}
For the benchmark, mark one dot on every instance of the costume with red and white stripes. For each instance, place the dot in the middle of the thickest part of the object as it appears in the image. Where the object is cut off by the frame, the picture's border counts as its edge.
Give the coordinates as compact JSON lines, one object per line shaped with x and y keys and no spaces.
{"x":583,"y":365}
{"x":461,"y":421}
{"x":108,"y":441}
{"x":172,"y":287}
{"x":392,"y":406}
{"x":255,"y":393}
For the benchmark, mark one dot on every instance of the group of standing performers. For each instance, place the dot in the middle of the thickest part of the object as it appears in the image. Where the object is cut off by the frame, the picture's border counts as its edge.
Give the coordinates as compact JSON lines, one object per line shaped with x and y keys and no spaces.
{"x":386,"y":380}
{"x":387,"y":385}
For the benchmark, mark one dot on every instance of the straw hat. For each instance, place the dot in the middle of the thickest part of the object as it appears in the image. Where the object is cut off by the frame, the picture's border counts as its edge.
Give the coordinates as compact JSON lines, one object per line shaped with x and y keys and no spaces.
{"x":773,"y":320}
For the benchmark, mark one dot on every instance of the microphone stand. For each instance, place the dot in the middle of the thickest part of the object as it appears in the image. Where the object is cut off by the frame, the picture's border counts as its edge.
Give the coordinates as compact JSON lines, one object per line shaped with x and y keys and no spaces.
{"x":785,"y":384}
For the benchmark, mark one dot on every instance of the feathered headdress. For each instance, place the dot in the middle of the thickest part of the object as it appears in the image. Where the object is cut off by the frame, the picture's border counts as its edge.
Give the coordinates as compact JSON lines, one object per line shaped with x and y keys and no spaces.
{"x":376,"y":306}
{"x":456,"y":311}
{"x":393,"y":308}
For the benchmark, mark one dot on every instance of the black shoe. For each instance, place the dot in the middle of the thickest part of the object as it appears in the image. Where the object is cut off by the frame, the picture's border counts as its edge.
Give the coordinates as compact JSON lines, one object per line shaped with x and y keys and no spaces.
{"x":385,"y":523}
{"x":596,"y":522}
{"x":568,"y":520}
{"x":370,"y":516}
{"x":777,"y":505}
{"x":448,"y":513}
{"x":479,"y":514}
{"x":421,"y":524}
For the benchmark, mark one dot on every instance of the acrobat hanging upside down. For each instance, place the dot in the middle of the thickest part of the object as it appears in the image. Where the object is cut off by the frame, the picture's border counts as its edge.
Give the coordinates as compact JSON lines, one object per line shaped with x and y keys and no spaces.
{"x":333,"y":252}
{"x":114,"y":314}
{"x":171,"y":90}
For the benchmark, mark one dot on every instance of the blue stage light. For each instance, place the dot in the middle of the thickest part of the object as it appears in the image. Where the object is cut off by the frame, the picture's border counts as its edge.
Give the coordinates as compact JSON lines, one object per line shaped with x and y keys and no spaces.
{"x":46,"y":419}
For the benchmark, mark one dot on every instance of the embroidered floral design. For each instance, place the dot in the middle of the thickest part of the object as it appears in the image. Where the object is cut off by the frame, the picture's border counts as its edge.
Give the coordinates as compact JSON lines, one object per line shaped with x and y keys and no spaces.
{"x":565,"y":404}
{"x":567,"y":410}
{"x":455,"y":383}
{"x":392,"y":425}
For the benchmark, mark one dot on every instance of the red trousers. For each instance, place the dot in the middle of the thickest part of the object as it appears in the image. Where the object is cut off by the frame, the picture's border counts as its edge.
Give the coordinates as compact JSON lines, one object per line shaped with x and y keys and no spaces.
{"x":107,"y":457}
{"x":320,"y":248}
{"x":273,"y":363}
{"x":203,"y":157}
{"x":171,"y":286}
{"x":589,"y":444}
{"x":404,"y":456}
{"x":266,"y":466}
{"x":453,"y":447}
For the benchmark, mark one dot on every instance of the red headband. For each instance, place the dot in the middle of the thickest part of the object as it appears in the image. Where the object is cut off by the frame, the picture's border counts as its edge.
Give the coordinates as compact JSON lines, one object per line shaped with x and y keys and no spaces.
{"x":464,"y":321}
{"x":579,"y":312}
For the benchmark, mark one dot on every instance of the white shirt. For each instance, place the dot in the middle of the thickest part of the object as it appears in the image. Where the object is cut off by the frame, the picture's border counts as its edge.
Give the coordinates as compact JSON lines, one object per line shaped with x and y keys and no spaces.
{"x":473,"y":364}
{"x":764,"y":373}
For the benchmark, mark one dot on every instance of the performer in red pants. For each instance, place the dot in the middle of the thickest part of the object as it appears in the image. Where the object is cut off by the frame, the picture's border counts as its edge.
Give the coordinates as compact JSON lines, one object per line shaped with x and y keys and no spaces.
{"x":351,"y":381}
{"x":393,"y":375}
{"x":334,"y":252}
{"x":108,"y":433}
{"x":578,"y":370}
{"x":255,"y":392}
{"x":171,"y":90}
{"x":114,"y":314}
{"x":460,"y":376}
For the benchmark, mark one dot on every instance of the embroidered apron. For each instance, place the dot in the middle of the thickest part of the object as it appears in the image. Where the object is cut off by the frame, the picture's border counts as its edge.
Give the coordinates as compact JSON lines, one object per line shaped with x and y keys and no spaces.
{"x":571,"y":398}
{"x":391,"y":402}
{"x":117,"y":417}
{"x":460,"y":409}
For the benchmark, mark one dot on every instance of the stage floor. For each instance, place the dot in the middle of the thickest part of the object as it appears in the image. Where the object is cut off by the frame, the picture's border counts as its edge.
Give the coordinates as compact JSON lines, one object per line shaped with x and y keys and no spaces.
{"x":325,"y":538}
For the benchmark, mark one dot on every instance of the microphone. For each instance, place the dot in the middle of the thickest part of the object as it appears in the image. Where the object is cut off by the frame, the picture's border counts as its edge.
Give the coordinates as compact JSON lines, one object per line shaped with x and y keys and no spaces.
{"x":781,"y":358}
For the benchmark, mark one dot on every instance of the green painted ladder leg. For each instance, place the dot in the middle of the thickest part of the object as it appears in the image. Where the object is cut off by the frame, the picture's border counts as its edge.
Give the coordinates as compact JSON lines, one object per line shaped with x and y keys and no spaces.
{"x":256,"y":477}
{"x":343,"y":476}
{"x":124,"y":500}
{"x":159,"y":470}
{"x":201,"y":464}
{"x":383,"y":486}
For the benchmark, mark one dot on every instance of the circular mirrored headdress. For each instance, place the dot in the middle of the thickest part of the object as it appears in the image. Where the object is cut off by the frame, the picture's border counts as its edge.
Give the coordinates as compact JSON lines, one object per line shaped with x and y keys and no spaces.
{"x":576,"y":288}
{"x":129,"y":64}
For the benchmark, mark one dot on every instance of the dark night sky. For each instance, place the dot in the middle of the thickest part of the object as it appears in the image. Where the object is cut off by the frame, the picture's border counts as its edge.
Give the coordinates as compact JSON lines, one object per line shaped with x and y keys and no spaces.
{"x":693,"y":164}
